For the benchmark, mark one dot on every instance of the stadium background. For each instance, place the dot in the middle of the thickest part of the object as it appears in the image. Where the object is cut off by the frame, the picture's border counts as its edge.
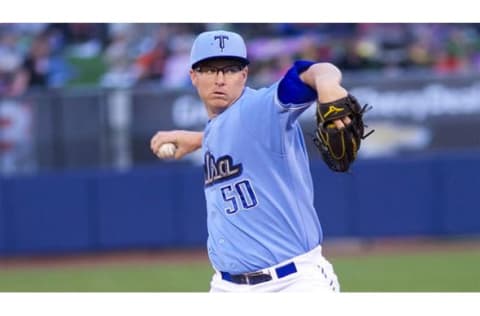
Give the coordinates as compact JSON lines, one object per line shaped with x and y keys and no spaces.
{"x":79,"y":103}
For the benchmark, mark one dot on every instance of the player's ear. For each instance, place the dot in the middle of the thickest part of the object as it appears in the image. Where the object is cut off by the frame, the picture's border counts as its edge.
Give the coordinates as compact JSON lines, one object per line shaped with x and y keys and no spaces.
{"x":245,"y":73}
{"x":193,"y":77}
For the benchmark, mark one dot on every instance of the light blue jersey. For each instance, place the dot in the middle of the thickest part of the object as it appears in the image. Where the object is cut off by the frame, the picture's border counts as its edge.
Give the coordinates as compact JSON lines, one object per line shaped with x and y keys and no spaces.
{"x":258,"y":186}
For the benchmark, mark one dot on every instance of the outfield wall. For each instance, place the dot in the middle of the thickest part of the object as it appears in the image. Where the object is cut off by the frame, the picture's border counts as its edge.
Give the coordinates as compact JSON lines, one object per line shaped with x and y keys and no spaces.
{"x":163,"y":206}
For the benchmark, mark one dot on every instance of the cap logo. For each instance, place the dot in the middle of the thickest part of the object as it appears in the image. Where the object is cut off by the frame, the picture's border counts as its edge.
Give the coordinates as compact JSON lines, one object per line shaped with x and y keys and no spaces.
{"x":221,"y":40}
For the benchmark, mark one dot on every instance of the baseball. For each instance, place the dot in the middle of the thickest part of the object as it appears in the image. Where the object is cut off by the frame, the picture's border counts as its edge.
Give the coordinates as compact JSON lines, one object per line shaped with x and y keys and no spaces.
{"x":167,"y":151}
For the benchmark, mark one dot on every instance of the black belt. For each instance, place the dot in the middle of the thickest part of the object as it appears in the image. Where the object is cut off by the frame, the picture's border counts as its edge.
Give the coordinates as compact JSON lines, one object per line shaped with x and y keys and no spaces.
{"x":261,"y":276}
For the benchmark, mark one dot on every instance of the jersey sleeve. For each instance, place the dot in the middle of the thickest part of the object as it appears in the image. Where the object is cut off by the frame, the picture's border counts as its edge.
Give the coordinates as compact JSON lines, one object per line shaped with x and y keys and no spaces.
{"x":269,"y":113}
{"x":292,"y":93}
{"x":261,"y":118}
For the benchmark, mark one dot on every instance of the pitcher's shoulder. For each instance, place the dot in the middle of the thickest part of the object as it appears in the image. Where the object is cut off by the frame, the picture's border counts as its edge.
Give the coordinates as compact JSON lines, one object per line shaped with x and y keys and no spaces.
{"x":260,"y":92}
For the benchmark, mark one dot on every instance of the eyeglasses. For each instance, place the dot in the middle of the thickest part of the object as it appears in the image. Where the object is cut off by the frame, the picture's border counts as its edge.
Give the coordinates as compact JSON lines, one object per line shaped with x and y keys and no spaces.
{"x":226,"y":70}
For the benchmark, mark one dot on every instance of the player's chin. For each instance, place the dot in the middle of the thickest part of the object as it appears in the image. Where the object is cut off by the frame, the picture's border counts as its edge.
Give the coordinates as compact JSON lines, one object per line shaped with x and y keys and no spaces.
{"x":219,"y":104}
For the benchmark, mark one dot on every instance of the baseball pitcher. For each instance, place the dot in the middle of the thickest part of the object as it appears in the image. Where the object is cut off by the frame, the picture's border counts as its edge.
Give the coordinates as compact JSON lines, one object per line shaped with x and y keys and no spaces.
{"x":264,"y":233}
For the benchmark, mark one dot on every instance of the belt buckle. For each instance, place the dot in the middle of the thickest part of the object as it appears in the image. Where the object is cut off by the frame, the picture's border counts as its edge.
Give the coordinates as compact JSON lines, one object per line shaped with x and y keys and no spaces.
{"x":255,"y":274}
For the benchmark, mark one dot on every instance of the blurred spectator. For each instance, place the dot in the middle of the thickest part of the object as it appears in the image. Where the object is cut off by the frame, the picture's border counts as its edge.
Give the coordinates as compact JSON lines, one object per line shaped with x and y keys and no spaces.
{"x":122,"y":72}
{"x":11,"y":82}
{"x":177,"y":64}
{"x":41,"y":68}
{"x":37,"y":64}
{"x":151,"y":62}
{"x":28,"y":62}
{"x":454,"y":57}
{"x":85,"y":39}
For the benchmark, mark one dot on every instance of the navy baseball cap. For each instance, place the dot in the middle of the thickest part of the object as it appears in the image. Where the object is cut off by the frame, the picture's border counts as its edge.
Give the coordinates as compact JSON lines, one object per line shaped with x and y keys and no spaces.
{"x":218,"y":44}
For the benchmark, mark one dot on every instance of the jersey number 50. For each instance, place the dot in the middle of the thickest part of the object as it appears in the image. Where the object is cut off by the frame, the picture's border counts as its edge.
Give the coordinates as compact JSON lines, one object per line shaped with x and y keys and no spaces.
{"x":239,"y":193}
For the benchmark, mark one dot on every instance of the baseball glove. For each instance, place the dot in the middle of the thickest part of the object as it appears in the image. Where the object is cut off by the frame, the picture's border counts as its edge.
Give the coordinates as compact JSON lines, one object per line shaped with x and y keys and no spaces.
{"x":339,"y":147}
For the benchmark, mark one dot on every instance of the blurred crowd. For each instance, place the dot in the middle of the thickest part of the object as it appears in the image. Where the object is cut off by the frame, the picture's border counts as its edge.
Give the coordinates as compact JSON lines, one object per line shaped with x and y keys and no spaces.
{"x":116,"y":55}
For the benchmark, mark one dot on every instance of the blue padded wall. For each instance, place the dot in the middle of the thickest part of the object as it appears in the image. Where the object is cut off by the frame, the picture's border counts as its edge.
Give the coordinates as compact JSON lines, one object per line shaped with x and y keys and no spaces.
{"x":47,"y":213}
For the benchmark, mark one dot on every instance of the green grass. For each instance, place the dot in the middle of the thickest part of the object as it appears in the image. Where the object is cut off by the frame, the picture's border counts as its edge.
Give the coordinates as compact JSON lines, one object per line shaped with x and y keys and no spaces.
{"x":134,"y":278}
{"x":429,"y":272}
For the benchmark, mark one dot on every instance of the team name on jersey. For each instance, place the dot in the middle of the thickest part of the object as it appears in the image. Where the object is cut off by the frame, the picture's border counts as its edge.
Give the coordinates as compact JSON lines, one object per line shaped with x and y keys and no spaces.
{"x":221,"y":169}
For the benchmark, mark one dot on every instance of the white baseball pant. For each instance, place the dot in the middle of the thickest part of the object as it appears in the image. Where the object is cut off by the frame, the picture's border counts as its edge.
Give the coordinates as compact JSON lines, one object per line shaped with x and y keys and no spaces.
{"x":313,"y":274}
